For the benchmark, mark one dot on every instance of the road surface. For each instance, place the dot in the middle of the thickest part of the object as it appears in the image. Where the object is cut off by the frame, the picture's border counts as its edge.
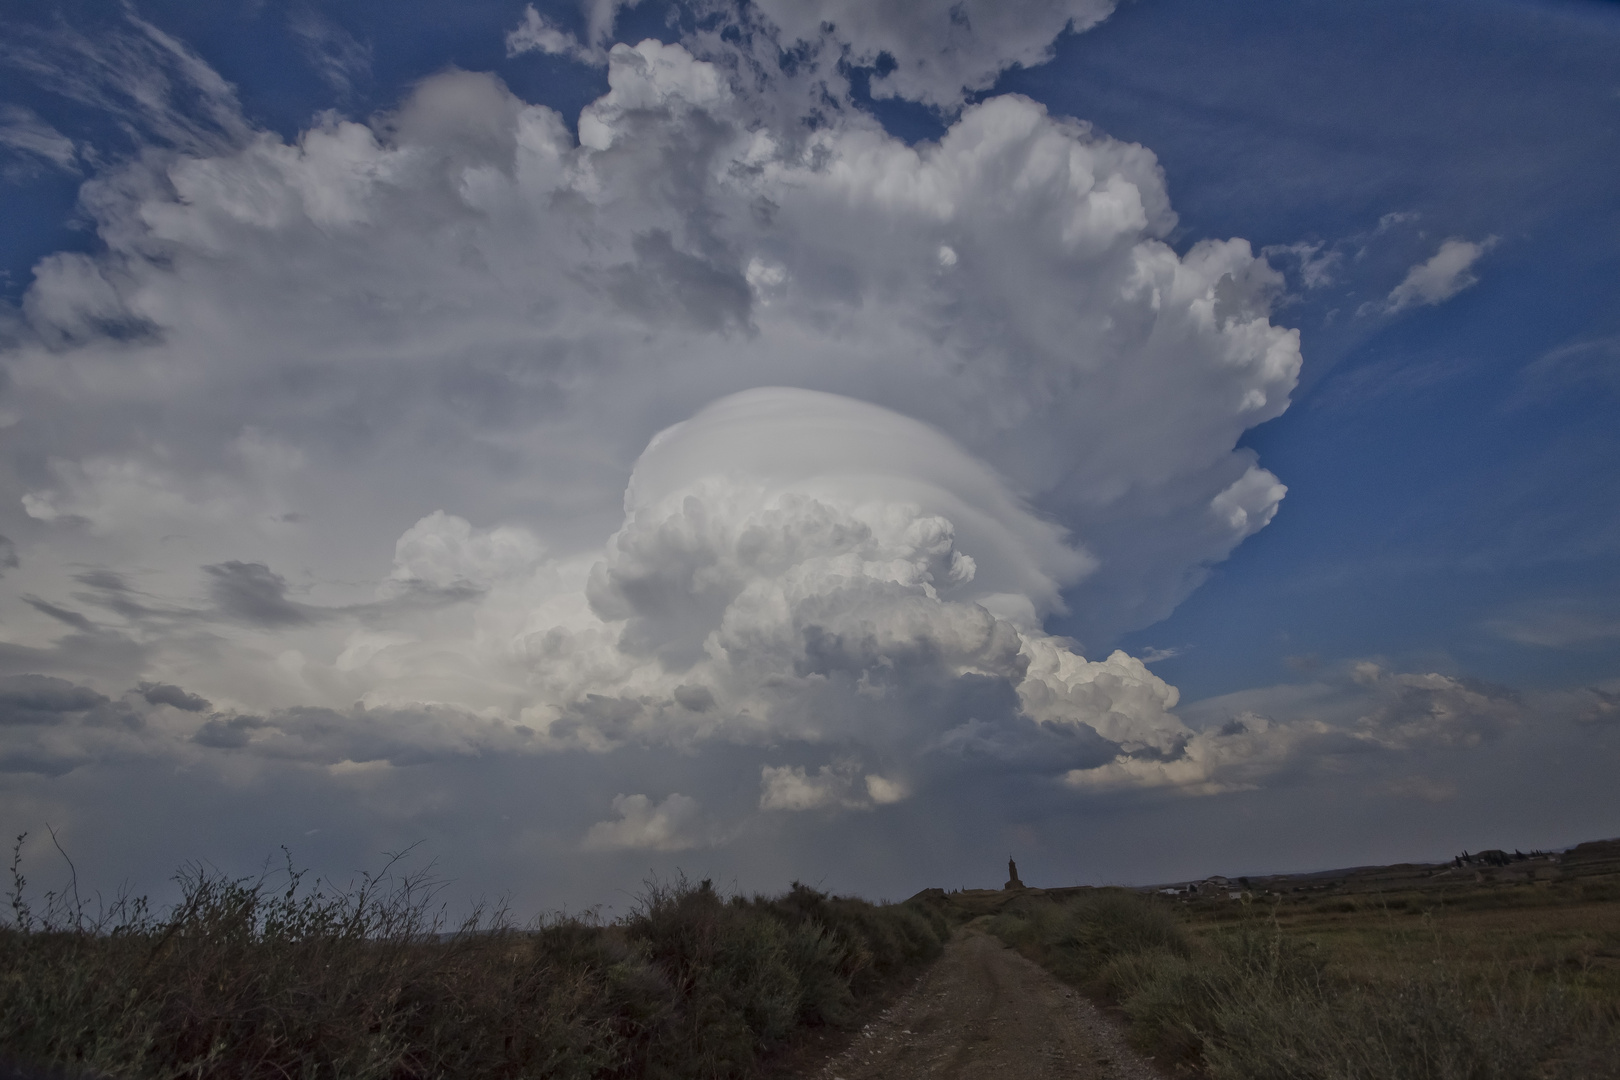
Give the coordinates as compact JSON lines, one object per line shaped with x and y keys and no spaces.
{"x":984,"y":1011}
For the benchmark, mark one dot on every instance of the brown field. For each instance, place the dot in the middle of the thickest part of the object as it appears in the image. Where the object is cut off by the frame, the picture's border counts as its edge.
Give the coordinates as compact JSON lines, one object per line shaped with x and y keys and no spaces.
{"x":1506,"y":966}
{"x":1554,"y":919}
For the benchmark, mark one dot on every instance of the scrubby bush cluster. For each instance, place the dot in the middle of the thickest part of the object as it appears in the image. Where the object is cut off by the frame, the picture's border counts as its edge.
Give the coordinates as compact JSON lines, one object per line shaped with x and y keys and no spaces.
{"x":245,"y":980}
{"x":1252,"y":1003}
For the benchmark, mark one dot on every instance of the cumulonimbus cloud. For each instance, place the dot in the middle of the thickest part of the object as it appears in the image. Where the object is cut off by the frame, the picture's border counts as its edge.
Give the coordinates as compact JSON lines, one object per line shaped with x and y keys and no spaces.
{"x":791,"y":565}
{"x":931,"y":51}
{"x":939,"y":50}
{"x":689,"y":427}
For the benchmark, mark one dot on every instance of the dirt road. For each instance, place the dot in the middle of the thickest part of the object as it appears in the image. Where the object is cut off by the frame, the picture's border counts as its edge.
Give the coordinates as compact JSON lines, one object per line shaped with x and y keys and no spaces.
{"x":984,"y":1011}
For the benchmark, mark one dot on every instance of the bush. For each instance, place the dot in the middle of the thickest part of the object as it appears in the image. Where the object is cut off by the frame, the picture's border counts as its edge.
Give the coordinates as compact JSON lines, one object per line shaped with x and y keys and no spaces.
{"x":246,"y":981}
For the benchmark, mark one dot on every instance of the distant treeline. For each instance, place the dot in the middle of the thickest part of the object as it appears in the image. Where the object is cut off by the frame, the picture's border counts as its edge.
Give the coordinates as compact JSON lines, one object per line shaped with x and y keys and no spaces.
{"x":268,"y":978}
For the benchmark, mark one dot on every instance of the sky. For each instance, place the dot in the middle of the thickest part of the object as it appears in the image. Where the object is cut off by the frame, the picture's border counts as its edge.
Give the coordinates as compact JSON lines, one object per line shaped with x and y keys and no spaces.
{"x":807,"y":439}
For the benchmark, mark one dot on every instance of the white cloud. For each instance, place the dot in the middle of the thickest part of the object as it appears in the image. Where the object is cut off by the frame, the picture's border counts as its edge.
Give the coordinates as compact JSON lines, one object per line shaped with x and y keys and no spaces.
{"x":521,"y":305}
{"x":885,"y":790}
{"x":22,"y":130}
{"x":1436,"y":710}
{"x":1317,"y":267}
{"x":790,"y":788}
{"x":114,"y":496}
{"x":639,"y":442}
{"x":1590,"y":360}
{"x":336,"y":55}
{"x":837,"y":786}
{"x":536,"y":33}
{"x":939,"y":48}
{"x":1249,"y":504}
{"x":1445,"y":274}
{"x":1557,"y":624}
{"x":642,"y":825}
{"x":1234,"y":757}
{"x":443,"y":549}
{"x":1245,"y":739}
{"x":931,"y":51}
{"x":158,"y":88}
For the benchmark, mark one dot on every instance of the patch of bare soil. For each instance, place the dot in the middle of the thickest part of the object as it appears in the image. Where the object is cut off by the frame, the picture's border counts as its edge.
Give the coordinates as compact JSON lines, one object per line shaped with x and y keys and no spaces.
{"x":985,"y":1011}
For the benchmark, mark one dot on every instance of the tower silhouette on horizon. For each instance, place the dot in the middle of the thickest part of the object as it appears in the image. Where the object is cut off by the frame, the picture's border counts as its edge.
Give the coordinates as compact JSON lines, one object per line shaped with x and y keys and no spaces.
{"x":1012,"y":876}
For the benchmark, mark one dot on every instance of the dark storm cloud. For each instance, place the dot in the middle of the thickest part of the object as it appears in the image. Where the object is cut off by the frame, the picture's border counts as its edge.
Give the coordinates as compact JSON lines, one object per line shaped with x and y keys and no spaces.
{"x":51,"y":726}
{"x":611,"y":718}
{"x":111,"y":591}
{"x":108,"y":580}
{"x":40,"y":762}
{"x":694,"y":698}
{"x":250,"y":593}
{"x":113,"y":658}
{"x":255,"y":594}
{"x":228,"y":733}
{"x":1601,"y":707}
{"x":8,"y":556}
{"x":72,"y":618}
{"x":43,"y":699}
{"x":400,"y":736}
{"x":166,"y":694}
{"x":667,"y":284}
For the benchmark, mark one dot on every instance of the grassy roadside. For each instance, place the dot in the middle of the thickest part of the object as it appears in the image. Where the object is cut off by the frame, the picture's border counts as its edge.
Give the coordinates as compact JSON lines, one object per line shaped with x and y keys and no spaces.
{"x":1341,"y":988}
{"x":270,"y":978}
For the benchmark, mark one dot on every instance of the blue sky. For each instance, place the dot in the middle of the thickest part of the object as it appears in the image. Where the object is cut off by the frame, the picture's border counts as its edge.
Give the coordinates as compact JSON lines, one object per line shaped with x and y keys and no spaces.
{"x":331,"y":483}
{"x":1439,"y":481}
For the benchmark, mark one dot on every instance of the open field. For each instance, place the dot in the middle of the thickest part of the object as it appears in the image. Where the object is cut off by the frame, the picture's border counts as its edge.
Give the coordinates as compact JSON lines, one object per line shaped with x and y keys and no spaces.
{"x":1509,"y":970}
{"x":1556,"y":919}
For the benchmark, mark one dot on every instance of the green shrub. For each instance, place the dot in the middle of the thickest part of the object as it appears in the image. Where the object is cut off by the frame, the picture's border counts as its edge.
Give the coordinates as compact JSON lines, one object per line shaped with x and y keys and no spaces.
{"x":244,"y":981}
{"x":1255,"y":1004}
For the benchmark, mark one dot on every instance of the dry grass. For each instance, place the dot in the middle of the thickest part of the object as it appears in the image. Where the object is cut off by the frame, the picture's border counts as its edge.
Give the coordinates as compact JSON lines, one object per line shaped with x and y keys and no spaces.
{"x":1562,"y":939}
{"x":275,"y":978}
{"x":1493,"y":987}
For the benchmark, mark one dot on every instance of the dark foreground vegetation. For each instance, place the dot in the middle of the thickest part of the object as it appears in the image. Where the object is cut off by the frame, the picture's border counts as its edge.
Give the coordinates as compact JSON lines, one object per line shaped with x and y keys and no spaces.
{"x":1482,"y":981}
{"x":266,"y":977}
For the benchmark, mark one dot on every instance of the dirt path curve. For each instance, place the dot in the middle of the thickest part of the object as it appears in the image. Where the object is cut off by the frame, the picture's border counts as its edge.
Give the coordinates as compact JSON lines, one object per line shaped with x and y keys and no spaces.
{"x":984,"y":1011}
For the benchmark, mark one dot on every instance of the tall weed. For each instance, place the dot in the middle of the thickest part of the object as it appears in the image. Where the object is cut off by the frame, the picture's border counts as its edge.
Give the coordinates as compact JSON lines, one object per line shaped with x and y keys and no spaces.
{"x":1253,"y":1003}
{"x":276,"y":977}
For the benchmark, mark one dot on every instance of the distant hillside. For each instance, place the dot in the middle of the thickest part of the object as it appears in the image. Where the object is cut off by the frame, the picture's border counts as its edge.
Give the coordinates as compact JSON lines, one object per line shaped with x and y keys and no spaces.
{"x":1586,"y":862}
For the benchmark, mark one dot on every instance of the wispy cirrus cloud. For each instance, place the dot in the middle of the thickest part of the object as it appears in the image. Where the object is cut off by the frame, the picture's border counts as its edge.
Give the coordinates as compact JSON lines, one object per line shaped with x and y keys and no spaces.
{"x":340,"y":58}
{"x":156,"y":86}
{"x":23,"y":132}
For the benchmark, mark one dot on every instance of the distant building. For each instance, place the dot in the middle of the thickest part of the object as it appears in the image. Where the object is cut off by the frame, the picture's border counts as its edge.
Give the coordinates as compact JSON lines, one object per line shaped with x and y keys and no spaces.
{"x":1012,"y":876}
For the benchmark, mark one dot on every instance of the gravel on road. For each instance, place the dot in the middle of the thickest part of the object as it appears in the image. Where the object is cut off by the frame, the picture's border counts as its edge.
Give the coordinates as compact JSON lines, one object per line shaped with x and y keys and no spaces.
{"x":982,"y":1011}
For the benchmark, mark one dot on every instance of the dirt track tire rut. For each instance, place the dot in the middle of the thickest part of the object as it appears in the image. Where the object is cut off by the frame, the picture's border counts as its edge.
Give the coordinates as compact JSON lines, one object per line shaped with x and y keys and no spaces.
{"x":981,"y":1012}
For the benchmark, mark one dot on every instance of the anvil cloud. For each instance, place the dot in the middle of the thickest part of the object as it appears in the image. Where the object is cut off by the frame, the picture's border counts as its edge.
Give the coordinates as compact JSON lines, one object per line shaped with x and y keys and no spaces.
{"x":469,"y":431}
